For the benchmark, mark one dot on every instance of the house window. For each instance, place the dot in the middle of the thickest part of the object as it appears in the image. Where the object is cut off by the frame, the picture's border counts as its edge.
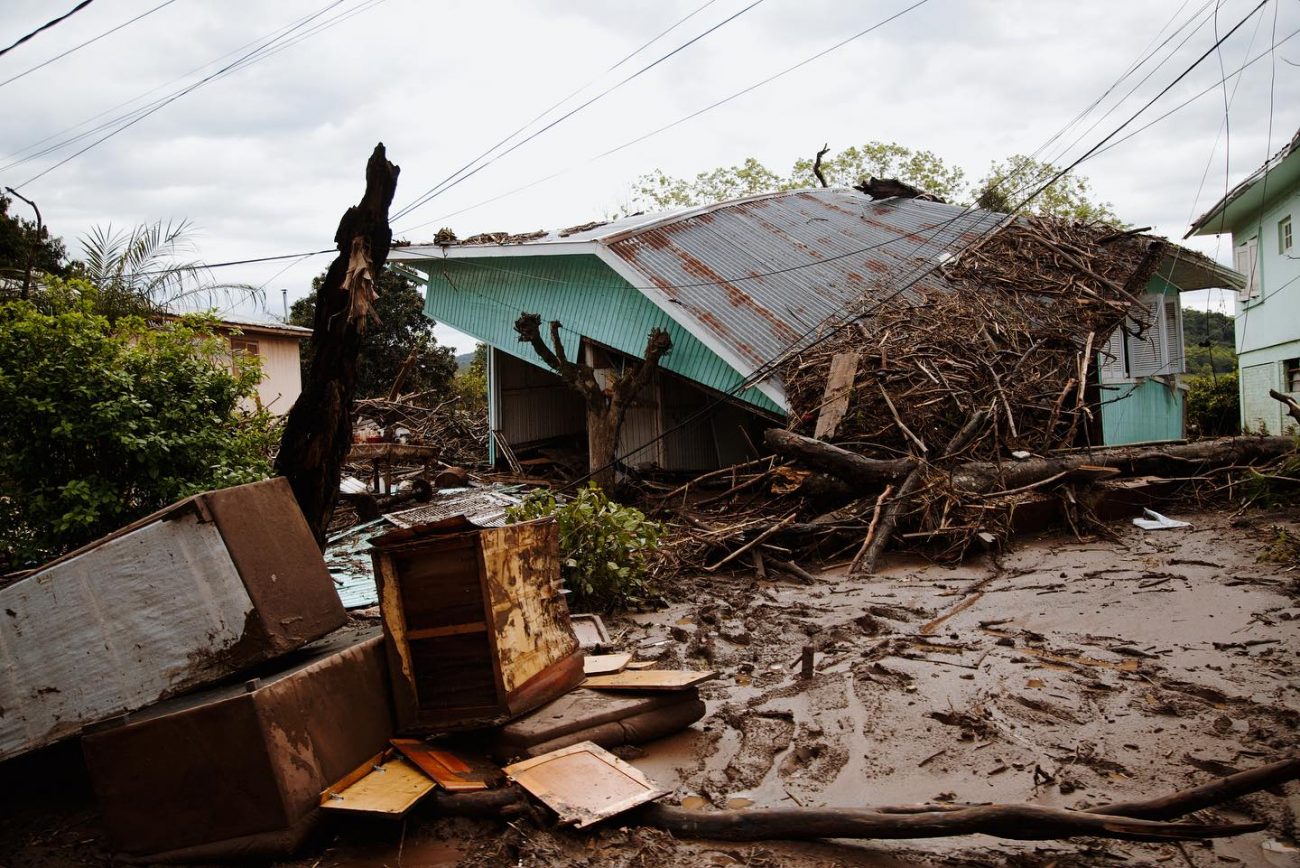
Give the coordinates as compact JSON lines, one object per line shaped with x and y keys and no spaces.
{"x":1291,"y":375}
{"x":241,"y":347}
{"x":1284,"y":235}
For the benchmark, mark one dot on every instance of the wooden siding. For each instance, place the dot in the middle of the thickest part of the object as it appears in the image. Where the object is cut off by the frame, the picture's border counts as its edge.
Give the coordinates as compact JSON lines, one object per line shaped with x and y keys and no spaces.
{"x":483,"y":297}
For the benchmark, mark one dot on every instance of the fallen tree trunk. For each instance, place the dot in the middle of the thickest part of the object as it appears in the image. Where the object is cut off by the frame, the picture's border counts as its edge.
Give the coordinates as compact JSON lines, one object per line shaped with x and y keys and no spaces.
{"x":1133,"y":821}
{"x":1019,"y":822}
{"x":983,"y":477}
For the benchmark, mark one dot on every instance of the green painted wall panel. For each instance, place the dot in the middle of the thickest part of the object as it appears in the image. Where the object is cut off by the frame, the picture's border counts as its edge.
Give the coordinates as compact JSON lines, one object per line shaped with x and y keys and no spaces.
{"x":1141,"y":411}
{"x":482,"y":297}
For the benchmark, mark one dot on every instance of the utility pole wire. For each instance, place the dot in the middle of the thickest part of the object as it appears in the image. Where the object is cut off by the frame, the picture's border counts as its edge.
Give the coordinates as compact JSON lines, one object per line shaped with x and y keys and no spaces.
{"x":75,"y":48}
{"x":47,"y":25}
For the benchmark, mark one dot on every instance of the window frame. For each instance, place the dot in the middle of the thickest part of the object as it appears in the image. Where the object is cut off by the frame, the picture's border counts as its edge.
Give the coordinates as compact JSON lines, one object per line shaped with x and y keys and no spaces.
{"x":1285,"y":239}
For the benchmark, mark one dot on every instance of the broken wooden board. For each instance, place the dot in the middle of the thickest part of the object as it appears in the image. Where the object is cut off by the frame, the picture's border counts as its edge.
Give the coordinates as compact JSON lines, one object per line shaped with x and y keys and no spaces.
{"x":584,"y":783}
{"x":605,"y":664}
{"x":835,"y":400}
{"x":388,"y":785}
{"x":180,"y":599}
{"x":451,"y":772}
{"x":650,"y":679}
{"x":642,"y":664}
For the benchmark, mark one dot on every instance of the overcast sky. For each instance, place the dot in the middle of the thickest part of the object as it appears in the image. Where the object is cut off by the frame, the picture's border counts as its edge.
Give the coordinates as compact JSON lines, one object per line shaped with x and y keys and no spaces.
{"x":265,"y":159}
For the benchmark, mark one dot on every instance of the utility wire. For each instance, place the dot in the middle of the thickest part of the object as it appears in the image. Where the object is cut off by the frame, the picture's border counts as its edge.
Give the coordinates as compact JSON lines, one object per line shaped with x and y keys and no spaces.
{"x":82,"y":45}
{"x":438,"y":187}
{"x":266,"y":46}
{"x":260,"y":54}
{"x":685,"y":118}
{"x":433,"y":193}
{"x":47,"y":25}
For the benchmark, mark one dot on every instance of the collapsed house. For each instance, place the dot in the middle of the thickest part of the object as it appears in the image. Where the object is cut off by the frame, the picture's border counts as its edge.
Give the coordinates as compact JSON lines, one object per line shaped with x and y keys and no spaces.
{"x":741,"y":285}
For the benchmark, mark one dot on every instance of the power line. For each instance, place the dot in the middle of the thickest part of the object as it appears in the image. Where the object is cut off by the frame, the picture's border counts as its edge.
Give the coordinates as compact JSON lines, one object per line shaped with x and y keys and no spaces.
{"x":47,"y":25}
{"x":84,"y":44}
{"x":685,"y":118}
{"x":571,"y":95}
{"x":254,"y":56}
{"x":433,"y":193}
{"x":267,"y":46}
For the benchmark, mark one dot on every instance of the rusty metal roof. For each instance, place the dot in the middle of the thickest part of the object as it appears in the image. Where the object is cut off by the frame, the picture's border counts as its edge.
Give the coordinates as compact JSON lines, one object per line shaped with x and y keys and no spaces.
{"x":752,"y":278}
{"x":764,"y":274}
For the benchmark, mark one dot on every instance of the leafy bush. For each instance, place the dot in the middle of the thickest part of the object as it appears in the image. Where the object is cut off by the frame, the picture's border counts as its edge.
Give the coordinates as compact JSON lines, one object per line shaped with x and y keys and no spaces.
{"x":605,"y":547}
{"x":104,"y":424}
{"x":1213,"y":406}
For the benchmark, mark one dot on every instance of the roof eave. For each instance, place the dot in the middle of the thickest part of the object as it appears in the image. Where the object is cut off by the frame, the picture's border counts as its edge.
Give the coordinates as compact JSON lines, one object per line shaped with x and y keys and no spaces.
{"x":433,"y":252}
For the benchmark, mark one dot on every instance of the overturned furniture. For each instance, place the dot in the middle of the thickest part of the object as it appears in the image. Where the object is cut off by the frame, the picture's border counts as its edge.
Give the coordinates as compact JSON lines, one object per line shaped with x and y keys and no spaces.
{"x":478,"y":631}
{"x":187,"y":596}
{"x":237,"y":771}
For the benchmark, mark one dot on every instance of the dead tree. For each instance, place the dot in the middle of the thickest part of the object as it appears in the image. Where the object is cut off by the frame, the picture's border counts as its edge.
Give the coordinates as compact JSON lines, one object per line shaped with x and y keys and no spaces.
{"x":318,"y":430}
{"x":606,"y":406}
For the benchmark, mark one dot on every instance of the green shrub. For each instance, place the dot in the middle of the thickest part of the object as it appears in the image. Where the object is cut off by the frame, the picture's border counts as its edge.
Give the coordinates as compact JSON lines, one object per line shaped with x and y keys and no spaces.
{"x":605,"y":547}
{"x":106,"y":423}
{"x":1213,"y":406}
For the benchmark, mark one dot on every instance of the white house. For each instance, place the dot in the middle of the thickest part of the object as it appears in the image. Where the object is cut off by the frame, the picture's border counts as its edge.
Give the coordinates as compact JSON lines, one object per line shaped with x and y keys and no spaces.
{"x":1259,"y":213}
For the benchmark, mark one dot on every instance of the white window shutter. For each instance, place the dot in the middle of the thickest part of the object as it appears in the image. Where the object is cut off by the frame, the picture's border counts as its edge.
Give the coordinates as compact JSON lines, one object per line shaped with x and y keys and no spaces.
{"x":1173,"y":361}
{"x":1111,"y":362}
{"x":1245,"y":258}
{"x":1145,"y":350}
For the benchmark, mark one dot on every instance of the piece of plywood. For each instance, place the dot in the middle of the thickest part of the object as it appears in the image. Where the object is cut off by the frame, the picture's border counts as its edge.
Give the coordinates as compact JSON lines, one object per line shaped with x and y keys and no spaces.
{"x":605,"y":664}
{"x":584,"y":783}
{"x":650,"y":679}
{"x":389,"y":788}
{"x":451,"y":772}
{"x":835,"y":400}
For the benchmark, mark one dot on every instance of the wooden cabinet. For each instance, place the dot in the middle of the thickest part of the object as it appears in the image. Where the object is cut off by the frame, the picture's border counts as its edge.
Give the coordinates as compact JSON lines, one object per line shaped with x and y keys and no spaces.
{"x":477,"y":629}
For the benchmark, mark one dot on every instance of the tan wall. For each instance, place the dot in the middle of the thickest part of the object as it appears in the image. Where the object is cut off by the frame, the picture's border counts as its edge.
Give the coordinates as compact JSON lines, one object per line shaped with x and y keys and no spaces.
{"x":281,"y":371}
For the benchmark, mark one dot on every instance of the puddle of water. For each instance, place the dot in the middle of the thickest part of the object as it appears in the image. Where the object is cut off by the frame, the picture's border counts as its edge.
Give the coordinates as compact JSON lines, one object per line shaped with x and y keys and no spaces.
{"x":736,"y":803}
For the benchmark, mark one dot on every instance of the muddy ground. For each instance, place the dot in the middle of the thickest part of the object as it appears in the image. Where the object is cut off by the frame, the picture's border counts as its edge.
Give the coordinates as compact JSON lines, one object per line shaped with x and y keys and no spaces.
{"x":1065,"y":673}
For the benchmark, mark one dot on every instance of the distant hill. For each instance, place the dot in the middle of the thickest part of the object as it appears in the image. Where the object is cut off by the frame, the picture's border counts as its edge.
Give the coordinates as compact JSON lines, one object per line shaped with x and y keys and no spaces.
{"x":463,"y":360}
{"x":1208,"y":336}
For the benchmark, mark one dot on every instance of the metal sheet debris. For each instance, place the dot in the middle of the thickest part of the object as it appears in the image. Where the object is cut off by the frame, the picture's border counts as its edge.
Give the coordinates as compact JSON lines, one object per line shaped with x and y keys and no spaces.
{"x":485,"y":507}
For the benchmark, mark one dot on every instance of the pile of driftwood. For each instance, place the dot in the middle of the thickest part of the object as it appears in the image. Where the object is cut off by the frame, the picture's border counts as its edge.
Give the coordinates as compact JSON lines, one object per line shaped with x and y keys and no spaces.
{"x":460,"y":434}
{"x":923,"y":421}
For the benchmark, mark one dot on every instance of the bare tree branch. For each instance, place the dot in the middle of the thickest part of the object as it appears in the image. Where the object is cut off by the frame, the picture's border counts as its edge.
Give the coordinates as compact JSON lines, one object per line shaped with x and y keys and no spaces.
{"x":817,"y":164}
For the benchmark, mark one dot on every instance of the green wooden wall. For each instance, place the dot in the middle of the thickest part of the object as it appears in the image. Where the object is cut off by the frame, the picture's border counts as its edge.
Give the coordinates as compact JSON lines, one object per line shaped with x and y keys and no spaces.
{"x":482,"y":297}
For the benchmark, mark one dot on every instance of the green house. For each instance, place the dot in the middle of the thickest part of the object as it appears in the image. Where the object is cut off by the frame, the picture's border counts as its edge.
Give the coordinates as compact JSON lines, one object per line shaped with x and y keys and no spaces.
{"x":737,"y":285}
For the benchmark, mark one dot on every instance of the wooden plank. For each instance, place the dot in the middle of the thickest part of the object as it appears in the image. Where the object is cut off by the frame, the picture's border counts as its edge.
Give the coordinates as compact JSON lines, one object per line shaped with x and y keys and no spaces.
{"x":605,"y":664}
{"x":451,"y":772}
{"x":450,"y":630}
{"x":584,"y":784}
{"x":389,"y":789}
{"x":650,"y":679}
{"x":835,"y":400}
{"x":642,"y":664}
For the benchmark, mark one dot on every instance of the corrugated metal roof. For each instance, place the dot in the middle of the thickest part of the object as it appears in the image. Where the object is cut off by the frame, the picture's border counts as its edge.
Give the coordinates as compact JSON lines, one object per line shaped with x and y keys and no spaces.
{"x":764,"y":274}
{"x":753,"y":277}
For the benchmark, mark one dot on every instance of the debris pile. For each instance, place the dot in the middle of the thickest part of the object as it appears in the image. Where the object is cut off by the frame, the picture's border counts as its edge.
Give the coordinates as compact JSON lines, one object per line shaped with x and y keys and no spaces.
{"x":459,"y":434}
{"x":925,"y":421}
